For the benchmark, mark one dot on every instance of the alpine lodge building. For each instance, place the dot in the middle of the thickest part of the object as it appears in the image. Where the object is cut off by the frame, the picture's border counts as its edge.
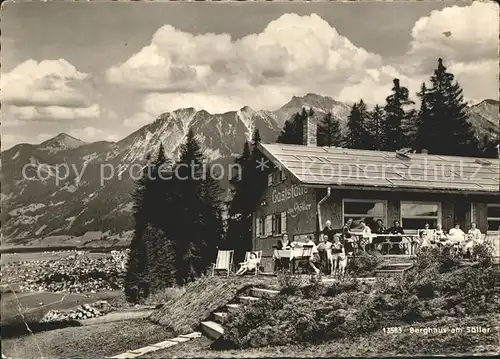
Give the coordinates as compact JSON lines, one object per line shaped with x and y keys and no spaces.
{"x":308,"y":185}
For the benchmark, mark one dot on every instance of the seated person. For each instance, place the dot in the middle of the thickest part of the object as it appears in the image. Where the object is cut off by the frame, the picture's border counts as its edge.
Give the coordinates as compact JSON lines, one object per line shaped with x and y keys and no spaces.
{"x":439,"y":235}
{"x":475,"y":233}
{"x":314,"y":260}
{"x":379,"y":228}
{"x":337,"y":249}
{"x":456,"y":235}
{"x":364,"y":238}
{"x":250,"y":264}
{"x":283,"y":243}
{"x":426,"y":236}
{"x":324,"y":247}
{"x":396,"y":229}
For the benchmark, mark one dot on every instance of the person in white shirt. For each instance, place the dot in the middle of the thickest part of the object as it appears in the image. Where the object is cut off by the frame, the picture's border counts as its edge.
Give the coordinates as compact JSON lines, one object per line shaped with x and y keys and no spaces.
{"x":475,"y":233}
{"x":314,"y":259}
{"x":457,"y":232}
{"x":365,"y":235}
{"x":250,"y":264}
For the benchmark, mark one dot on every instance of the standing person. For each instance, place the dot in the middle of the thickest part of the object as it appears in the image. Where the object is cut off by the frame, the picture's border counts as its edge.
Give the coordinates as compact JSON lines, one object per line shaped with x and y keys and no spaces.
{"x":347,"y":239}
{"x":396,"y":229}
{"x":337,"y":249}
{"x":324,"y":247}
{"x":328,"y":230}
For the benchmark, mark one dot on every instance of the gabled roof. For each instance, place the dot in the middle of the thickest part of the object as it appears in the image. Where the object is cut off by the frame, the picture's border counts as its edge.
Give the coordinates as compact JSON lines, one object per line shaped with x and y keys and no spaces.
{"x":348,"y":168}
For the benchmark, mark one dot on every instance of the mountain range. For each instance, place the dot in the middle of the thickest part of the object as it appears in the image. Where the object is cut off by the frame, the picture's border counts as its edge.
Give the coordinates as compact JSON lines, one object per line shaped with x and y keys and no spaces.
{"x":95,"y":194}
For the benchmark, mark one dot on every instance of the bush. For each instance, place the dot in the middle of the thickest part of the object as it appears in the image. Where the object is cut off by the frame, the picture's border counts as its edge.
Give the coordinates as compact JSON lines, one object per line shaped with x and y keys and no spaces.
{"x":289,"y":283}
{"x":484,"y":254}
{"x":364,"y":264}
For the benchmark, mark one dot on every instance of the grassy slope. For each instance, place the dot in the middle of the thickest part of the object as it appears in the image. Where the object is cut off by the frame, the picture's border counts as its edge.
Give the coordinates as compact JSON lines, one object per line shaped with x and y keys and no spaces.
{"x":371,"y":345}
{"x":95,"y":341}
{"x":183,"y":314}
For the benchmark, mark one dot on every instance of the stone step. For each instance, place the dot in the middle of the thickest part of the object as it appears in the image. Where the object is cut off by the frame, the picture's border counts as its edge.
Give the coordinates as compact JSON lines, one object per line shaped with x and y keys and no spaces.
{"x":212,"y":330}
{"x":231,"y":308}
{"x":263,"y":293}
{"x":247,"y":299}
{"x":388,"y":272}
{"x":220,"y":317}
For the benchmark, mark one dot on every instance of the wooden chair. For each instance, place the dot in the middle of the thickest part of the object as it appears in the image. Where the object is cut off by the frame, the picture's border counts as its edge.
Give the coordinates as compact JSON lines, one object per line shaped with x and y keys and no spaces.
{"x":305,"y":256}
{"x":259,"y":258}
{"x":224,"y":262}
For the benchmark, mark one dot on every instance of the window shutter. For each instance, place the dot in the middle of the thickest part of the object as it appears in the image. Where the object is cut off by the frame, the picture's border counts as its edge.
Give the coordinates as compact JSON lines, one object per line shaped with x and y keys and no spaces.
{"x":283,"y":175}
{"x":283,"y":222}
{"x":268,"y":225}
{"x":257,"y":227}
{"x":270,"y":179}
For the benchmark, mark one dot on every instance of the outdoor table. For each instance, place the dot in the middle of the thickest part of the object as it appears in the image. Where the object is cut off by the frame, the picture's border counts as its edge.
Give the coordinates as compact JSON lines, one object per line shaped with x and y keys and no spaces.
{"x":410,"y":239}
{"x":290,"y":254}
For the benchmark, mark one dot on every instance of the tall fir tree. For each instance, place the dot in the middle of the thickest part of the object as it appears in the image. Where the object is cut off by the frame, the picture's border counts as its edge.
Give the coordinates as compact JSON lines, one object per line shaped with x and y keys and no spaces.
{"x":425,"y":131}
{"x":395,"y":115}
{"x":240,"y":211}
{"x":198,"y":227}
{"x":329,"y":133}
{"x":137,"y":281}
{"x":161,"y":258}
{"x":357,"y":136}
{"x":292,"y":132}
{"x":444,"y":126}
{"x":376,"y":128}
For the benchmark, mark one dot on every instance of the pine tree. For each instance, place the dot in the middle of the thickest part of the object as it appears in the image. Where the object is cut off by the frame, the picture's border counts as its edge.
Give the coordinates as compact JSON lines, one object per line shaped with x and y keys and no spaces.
{"x":425,"y":133}
{"x":329,"y":133}
{"x":489,"y":146}
{"x":161,"y":258}
{"x":395,"y":116}
{"x":198,"y":227}
{"x":444,"y":126}
{"x":375,"y":123}
{"x":358,"y":136}
{"x":292,"y":132}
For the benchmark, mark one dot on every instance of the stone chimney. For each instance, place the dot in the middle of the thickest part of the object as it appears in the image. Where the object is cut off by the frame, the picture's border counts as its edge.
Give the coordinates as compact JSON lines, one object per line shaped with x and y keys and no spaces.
{"x":310,"y":131}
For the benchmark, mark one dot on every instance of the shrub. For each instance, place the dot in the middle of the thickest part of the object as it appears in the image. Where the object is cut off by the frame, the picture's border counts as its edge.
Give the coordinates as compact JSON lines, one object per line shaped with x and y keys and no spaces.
{"x":289,"y":283}
{"x":315,"y":289}
{"x":364,"y":264}
{"x":484,"y":254}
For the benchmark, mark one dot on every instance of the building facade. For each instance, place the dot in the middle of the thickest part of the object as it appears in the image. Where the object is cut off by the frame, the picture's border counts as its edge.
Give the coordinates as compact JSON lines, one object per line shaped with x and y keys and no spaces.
{"x":308,"y":185}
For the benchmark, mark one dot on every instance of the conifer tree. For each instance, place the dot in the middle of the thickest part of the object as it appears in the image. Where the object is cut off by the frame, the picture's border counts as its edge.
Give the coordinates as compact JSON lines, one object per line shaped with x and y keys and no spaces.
{"x":198,"y":219}
{"x":292,"y":132}
{"x":375,"y":123}
{"x":358,"y":136}
{"x":137,"y":281}
{"x":329,"y":133}
{"x":239,"y":209}
{"x":395,"y":115}
{"x":161,"y":258}
{"x":444,"y":126}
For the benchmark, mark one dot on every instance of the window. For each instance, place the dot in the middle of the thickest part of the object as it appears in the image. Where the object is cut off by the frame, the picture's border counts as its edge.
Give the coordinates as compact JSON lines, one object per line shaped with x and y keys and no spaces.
{"x":260,"y":226}
{"x":364,"y":210}
{"x":270,"y":180}
{"x":493,"y":211}
{"x":279,"y":223}
{"x":414,"y":215}
{"x":268,"y":226}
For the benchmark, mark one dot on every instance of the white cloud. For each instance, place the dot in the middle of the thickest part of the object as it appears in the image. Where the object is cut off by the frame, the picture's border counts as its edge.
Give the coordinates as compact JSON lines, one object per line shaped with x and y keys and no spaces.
{"x":47,"y":90}
{"x":89,"y":134}
{"x":299,"y":54}
{"x":214,"y":72}
{"x":138,"y":120}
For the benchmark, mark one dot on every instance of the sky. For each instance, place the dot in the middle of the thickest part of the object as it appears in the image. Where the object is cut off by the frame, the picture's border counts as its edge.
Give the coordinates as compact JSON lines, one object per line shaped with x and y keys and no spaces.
{"x":101,"y":70}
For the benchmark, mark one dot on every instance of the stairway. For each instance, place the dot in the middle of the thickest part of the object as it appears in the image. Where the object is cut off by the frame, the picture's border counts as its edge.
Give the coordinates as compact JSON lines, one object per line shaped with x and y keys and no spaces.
{"x":394,"y":265}
{"x":214,"y":328}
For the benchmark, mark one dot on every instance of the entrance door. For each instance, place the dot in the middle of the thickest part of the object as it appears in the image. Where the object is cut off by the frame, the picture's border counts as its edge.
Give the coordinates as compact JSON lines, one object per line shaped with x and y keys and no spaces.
{"x":462,"y":215}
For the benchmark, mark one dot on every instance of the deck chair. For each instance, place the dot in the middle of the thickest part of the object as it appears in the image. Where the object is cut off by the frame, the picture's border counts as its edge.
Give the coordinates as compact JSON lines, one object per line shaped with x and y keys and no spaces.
{"x":259,"y":258}
{"x":224,"y":262}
